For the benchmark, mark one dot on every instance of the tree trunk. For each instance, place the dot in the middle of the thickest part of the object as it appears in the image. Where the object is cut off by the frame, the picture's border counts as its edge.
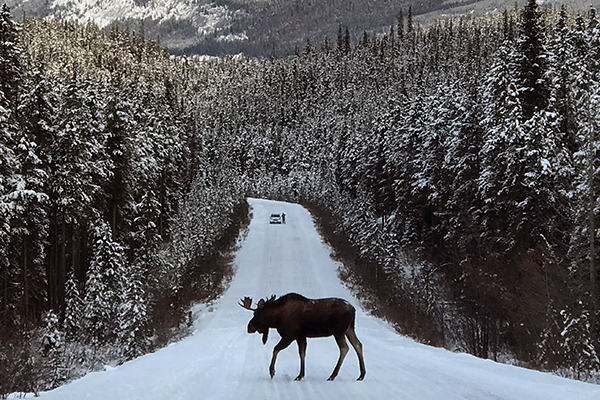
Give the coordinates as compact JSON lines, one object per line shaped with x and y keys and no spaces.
{"x":75,"y":253}
{"x":62,"y":267}
{"x":25,"y":281}
{"x":51,"y":266}
{"x":592,"y":233}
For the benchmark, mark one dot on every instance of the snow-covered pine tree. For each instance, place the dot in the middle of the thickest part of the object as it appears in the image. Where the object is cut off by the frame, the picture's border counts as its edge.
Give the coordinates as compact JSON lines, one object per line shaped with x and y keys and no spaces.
{"x":593,"y":171}
{"x":52,"y":341}
{"x":464,"y":147}
{"x":10,"y":78}
{"x":29,"y":223}
{"x":74,"y":308}
{"x":133,"y":317}
{"x":400,"y":25}
{"x":375,"y":175}
{"x":118,"y":149}
{"x":562,"y":144}
{"x":78,"y":169}
{"x":145,"y":234}
{"x":73,"y":326}
{"x":8,"y":165}
{"x":10,"y":58}
{"x":103,"y":287}
{"x":29,"y":226}
{"x":506,"y":234}
{"x":534,"y":90}
{"x":583,"y":252}
{"x":561,"y":78}
{"x":38,"y":110}
{"x":502,"y":114}
{"x":579,"y":351}
{"x":404,"y":161}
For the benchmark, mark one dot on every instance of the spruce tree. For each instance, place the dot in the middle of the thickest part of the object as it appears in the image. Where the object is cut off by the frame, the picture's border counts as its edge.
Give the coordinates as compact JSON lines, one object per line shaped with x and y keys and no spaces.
{"x":133,"y":314}
{"x":586,"y":94}
{"x":30,"y":222}
{"x":52,"y":340}
{"x":579,"y":351}
{"x":118,"y":150}
{"x":78,"y":168}
{"x":562,"y":81}
{"x":533,"y":62}
{"x":401,"y":25}
{"x":9,"y":164}
{"x":74,"y":307}
{"x":10,"y":61}
{"x":410,"y":27}
{"x":103,"y":288}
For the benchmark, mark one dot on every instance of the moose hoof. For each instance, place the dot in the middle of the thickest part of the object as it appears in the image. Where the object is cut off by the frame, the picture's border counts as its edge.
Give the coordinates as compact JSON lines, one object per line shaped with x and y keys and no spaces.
{"x":272,"y":373}
{"x":299,"y":378}
{"x":360,"y":378}
{"x":331,"y":378}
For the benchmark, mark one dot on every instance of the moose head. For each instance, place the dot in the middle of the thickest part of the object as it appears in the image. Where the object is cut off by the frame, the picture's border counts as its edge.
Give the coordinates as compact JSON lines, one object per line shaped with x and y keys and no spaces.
{"x":257,"y":323}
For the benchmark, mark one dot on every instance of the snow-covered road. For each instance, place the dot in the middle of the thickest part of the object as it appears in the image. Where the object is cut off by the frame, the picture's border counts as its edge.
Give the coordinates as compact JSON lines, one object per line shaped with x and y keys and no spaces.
{"x":221,"y":361}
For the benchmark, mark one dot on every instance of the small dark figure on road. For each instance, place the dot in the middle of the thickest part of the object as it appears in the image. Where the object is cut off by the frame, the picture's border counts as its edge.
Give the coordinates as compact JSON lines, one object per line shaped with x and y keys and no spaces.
{"x":283,"y":218}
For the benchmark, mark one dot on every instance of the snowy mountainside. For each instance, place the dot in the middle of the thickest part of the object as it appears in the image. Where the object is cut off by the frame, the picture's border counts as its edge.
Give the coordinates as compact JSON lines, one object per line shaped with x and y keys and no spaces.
{"x":257,"y":27}
{"x":222,"y":361}
{"x":177,"y":23}
{"x":105,"y":12}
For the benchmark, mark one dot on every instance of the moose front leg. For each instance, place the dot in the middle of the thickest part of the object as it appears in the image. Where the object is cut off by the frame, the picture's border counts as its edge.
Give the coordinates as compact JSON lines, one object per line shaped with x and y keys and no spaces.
{"x":302,"y":350}
{"x":283,"y":343}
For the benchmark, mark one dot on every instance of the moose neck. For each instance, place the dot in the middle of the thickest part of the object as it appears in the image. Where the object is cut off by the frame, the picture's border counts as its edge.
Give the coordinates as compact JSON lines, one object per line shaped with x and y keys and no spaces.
{"x":270,"y":315}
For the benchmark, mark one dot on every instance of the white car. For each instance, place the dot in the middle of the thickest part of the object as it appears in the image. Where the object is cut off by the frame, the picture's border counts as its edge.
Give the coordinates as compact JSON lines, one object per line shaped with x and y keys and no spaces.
{"x":275,"y":219}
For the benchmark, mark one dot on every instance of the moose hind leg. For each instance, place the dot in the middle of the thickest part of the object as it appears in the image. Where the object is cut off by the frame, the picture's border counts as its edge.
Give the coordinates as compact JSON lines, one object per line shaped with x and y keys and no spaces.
{"x":302,"y":350}
{"x":341,"y":342}
{"x":283,"y":343}
{"x":351,"y":334}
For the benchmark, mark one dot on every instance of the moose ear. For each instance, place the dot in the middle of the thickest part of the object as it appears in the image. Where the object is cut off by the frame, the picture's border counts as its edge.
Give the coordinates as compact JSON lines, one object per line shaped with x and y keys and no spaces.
{"x":261,"y":303}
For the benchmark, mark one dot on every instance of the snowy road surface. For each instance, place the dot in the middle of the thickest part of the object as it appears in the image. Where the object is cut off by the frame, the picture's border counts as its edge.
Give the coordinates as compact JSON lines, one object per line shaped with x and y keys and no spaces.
{"x":221,"y":361}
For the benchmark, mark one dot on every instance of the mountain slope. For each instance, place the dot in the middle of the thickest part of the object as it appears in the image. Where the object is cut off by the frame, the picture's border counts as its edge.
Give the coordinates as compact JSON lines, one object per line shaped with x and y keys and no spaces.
{"x":254,"y":27}
{"x":176,"y":23}
{"x":221,"y":361}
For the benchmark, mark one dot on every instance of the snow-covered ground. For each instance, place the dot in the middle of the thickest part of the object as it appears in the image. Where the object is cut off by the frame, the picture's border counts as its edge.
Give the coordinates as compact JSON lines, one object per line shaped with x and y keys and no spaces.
{"x":221,"y":361}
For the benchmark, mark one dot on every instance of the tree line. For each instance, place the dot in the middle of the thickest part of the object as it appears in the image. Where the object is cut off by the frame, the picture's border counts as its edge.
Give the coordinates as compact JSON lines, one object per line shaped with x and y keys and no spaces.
{"x":460,"y":157}
{"x":110,"y":223}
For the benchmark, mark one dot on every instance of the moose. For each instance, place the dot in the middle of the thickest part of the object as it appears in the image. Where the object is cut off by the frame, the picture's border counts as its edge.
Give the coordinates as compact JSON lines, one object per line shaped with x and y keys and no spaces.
{"x":296,"y":318}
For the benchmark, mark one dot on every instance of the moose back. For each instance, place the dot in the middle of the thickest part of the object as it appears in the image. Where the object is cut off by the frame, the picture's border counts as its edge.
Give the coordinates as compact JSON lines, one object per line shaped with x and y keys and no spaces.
{"x":296,"y":318}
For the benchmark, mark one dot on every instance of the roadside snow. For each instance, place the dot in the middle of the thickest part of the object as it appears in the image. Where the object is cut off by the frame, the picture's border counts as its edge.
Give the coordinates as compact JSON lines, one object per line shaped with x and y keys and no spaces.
{"x":221,"y":361}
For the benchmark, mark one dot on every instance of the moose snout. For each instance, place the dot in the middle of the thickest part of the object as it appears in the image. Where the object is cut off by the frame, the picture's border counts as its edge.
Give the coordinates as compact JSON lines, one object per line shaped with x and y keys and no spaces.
{"x":251,"y":327}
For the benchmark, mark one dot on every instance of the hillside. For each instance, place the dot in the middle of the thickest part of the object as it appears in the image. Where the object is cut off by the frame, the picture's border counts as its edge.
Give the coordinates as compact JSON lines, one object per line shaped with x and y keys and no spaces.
{"x":253,"y":27}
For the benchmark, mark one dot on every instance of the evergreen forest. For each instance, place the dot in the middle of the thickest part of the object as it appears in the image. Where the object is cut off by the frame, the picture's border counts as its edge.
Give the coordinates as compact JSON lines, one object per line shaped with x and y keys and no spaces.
{"x":453,"y":167}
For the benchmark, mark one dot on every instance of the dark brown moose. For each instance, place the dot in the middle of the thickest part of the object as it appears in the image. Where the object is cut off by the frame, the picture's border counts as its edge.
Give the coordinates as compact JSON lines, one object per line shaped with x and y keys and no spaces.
{"x":296,"y":318}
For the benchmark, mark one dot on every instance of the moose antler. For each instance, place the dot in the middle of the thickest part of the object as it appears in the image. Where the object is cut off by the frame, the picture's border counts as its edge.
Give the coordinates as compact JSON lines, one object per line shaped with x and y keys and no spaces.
{"x":247,"y":303}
